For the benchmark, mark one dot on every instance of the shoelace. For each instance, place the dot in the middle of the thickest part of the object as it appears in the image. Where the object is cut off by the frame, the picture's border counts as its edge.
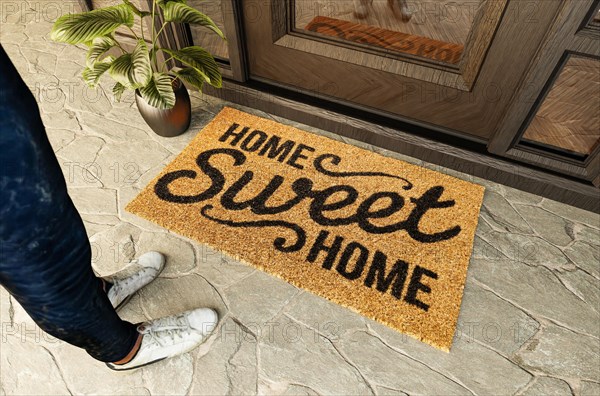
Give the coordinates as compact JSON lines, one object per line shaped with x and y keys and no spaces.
{"x":121,"y":284}
{"x":170,"y":323}
{"x":173,"y":327}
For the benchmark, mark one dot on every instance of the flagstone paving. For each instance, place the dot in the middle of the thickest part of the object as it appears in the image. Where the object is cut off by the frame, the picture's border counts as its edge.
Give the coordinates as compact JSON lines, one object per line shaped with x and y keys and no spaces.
{"x":529,"y":323}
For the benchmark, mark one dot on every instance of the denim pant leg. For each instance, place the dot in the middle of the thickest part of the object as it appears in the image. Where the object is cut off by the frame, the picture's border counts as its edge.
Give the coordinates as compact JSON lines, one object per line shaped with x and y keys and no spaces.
{"x":45,"y":255}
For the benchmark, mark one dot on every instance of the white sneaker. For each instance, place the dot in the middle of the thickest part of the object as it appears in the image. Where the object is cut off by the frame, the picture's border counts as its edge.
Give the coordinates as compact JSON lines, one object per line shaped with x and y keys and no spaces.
{"x":171,"y":336}
{"x":122,"y":290}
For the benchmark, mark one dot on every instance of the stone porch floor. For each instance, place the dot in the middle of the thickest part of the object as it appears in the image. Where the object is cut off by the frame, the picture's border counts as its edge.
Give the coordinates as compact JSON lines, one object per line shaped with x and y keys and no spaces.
{"x":530,"y":318}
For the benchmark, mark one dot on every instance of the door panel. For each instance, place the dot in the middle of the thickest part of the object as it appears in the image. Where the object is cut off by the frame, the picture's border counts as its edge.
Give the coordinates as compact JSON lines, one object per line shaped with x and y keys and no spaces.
{"x":396,"y":25}
{"x":568,"y":118}
{"x":422,"y":58}
{"x":451,"y":23}
{"x":468,"y":96}
{"x":553,"y":121}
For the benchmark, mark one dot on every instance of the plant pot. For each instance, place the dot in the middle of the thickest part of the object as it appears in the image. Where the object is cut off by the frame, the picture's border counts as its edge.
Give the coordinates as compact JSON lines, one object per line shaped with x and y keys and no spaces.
{"x":171,"y":122}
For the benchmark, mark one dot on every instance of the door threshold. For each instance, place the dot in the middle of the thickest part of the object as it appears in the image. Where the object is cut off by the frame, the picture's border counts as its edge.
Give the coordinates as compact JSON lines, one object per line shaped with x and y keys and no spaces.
{"x":464,"y":155}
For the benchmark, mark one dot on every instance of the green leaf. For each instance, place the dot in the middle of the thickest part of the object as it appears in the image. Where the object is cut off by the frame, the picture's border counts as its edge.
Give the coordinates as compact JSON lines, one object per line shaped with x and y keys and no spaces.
{"x":91,"y":75}
{"x":136,"y":10}
{"x":118,"y":90}
{"x":81,"y":28}
{"x":140,"y":57}
{"x":200,"y":59}
{"x":99,"y":47}
{"x":120,"y":70}
{"x":133,"y":70}
{"x":192,"y":76}
{"x":159,"y":92}
{"x":179,"y":12}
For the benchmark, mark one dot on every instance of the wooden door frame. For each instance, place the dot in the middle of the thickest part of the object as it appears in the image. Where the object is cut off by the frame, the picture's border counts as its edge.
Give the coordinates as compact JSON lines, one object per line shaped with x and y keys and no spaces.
{"x":571,"y":34}
{"x":461,"y":76}
{"x":409,"y":99}
{"x":177,"y":35}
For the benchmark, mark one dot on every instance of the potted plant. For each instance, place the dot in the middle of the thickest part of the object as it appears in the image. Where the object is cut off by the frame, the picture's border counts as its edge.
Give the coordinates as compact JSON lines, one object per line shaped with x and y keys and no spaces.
{"x":161,"y":96}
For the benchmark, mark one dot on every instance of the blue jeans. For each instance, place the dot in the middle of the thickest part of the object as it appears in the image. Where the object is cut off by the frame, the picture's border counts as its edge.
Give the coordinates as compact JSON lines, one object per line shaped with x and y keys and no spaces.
{"x":45,"y":255}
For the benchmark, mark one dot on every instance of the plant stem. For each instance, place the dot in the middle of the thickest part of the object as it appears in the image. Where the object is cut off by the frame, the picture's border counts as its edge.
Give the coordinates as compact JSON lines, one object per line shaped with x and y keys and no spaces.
{"x":158,"y":34}
{"x":153,"y":50}
{"x":154,"y":46}
{"x":120,"y":46}
{"x":153,"y":7}
{"x":142,"y":27}
{"x":135,"y":35}
{"x":165,"y":62}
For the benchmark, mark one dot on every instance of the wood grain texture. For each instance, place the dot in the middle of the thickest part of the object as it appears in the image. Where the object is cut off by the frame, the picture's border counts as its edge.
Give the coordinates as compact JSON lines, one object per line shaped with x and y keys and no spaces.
{"x":236,"y":45}
{"x":569,"y":117}
{"x":442,"y":20}
{"x":397,"y":87}
{"x":485,"y":25}
{"x":389,"y":39}
{"x":390,"y":61}
{"x":461,"y":76}
{"x":563,"y":37}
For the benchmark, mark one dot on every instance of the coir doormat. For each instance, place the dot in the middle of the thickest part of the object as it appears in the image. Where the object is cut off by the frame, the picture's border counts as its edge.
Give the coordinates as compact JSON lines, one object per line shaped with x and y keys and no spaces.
{"x":385,"y":238}
{"x":388,"y":39}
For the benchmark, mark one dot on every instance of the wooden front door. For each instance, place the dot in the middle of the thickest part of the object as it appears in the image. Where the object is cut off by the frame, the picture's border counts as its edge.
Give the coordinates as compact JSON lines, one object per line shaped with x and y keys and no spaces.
{"x":451,"y":66}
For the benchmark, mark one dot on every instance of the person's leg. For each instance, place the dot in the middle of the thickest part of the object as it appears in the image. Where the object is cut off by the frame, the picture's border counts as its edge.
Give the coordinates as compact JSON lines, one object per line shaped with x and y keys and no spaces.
{"x":45,"y":256}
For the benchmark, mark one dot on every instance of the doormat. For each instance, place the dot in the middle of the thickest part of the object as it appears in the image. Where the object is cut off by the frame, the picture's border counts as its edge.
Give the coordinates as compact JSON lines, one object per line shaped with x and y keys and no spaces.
{"x":385,"y":238}
{"x":388,"y":39}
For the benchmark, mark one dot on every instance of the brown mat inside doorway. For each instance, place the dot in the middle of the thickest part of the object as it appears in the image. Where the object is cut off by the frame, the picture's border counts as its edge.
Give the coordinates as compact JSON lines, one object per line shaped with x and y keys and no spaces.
{"x":385,"y":238}
{"x":384,"y":38}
